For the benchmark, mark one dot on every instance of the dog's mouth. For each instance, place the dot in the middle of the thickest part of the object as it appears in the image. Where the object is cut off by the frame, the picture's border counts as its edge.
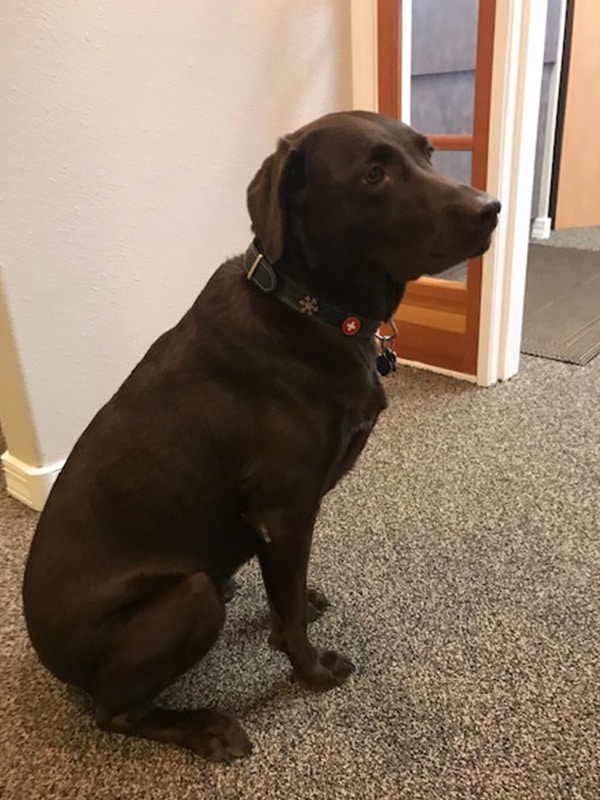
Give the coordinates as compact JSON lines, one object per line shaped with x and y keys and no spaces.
{"x":455,"y":256}
{"x":482,"y":248}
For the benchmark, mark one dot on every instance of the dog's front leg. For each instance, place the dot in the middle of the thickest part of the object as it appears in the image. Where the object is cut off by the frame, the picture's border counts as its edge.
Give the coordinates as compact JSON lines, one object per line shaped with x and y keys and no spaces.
{"x":285,"y":539}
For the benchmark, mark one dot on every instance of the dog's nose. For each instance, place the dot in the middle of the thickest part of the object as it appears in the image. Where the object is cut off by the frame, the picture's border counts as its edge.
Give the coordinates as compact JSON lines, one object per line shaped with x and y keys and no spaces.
{"x":489,"y":211}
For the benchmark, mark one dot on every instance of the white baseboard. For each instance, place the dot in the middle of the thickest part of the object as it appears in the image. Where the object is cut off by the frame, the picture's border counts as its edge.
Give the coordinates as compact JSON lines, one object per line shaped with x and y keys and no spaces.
{"x":541,"y":228}
{"x":30,"y":485}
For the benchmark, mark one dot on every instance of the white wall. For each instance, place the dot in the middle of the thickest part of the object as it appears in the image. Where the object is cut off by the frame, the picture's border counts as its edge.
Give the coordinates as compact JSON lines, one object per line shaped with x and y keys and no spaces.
{"x":129,"y":131}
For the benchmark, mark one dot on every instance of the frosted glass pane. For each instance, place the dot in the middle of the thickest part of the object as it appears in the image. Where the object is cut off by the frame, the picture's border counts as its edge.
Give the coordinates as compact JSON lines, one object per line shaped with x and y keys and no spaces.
{"x":444,"y":52}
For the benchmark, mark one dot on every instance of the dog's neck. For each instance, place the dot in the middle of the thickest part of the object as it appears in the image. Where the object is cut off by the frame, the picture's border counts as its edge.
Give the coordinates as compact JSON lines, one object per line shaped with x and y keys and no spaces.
{"x":344,"y":276}
{"x":307,"y":297}
{"x":350,"y":280}
{"x":344,"y":285}
{"x":352,"y":290}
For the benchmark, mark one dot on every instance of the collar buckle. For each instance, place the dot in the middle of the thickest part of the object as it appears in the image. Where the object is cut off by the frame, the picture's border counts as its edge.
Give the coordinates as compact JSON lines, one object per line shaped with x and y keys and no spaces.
{"x":259,"y":270}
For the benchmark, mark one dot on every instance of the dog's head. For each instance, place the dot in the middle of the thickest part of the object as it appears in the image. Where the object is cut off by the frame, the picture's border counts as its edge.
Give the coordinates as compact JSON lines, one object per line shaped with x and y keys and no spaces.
{"x":360,"y":185}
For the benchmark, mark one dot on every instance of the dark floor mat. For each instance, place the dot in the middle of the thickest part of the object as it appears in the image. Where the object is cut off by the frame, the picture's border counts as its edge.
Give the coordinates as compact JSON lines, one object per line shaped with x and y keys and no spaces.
{"x":562,"y":304}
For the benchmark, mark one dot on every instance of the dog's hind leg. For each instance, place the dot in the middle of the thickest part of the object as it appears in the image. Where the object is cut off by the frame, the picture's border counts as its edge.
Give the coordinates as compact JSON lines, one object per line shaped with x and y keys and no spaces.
{"x":161,"y":640}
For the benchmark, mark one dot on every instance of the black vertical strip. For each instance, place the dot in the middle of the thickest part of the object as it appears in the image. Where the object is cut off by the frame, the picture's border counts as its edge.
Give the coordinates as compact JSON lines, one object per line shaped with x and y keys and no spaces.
{"x":562,"y":105}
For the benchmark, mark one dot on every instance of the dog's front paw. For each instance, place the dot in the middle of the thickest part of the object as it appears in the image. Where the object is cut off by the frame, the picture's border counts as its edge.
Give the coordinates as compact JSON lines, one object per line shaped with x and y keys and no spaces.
{"x":330,"y":669}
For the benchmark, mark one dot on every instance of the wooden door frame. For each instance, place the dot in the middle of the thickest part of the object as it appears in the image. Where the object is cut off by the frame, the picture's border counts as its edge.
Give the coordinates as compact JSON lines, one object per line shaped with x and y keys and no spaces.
{"x":516,"y":69}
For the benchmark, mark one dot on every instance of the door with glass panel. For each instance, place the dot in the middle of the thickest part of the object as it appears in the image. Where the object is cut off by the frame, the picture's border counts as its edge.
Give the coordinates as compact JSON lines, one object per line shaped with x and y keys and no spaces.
{"x":451,"y":46}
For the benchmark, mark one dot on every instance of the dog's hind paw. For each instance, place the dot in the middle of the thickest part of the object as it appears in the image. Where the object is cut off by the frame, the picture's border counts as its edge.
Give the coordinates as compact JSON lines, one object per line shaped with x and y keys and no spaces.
{"x":230,"y":587}
{"x":220,"y":738}
{"x":317,"y":604}
{"x":331,"y":669}
{"x":208,"y":733}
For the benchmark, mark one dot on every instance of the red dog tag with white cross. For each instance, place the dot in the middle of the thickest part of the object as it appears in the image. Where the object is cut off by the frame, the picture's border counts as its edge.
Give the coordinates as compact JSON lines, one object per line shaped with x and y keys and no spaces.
{"x":351,"y":326}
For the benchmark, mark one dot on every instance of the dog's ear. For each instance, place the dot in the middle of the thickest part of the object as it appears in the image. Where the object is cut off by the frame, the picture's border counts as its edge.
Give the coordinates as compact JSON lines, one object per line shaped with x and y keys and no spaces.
{"x":269,"y":193}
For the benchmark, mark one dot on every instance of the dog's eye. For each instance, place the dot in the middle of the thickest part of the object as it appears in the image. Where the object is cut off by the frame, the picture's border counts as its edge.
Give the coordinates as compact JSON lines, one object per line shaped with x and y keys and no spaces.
{"x":375,"y":175}
{"x":430,"y":150}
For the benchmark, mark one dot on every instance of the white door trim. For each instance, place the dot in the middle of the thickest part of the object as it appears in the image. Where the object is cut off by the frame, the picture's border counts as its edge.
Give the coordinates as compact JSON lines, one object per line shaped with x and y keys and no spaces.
{"x":542,"y":224}
{"x":516,"y":84}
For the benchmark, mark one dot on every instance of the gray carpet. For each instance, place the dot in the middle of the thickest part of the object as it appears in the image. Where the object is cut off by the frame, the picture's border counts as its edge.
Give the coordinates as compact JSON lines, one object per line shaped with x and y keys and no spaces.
{"x":462,"y":558}
{"x":579,"y":238}
{"x":562,"y":304}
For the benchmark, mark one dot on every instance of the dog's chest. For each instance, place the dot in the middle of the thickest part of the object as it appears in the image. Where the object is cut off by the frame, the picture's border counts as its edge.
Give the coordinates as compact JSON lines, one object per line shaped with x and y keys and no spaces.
{"x":354,"y":426}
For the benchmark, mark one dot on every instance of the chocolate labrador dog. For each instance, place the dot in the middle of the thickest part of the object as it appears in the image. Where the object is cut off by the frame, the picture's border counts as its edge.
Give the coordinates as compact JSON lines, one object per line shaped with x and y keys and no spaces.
{"x":221,"y":443}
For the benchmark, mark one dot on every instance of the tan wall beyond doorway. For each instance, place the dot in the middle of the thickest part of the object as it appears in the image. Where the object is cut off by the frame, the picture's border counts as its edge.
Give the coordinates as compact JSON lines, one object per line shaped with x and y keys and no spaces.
{"x":578,"y":199}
